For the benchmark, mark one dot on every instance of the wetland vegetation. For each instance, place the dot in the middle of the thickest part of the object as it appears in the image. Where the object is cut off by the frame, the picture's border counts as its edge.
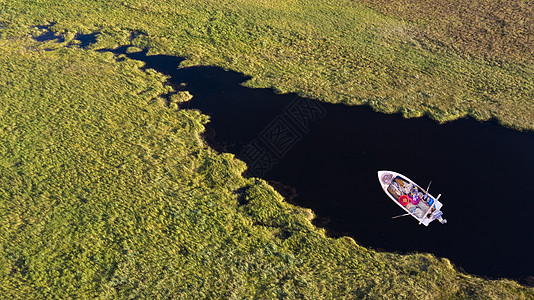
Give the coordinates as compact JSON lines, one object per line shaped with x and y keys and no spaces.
{"x":416,"y":58}
{"x":109,"y":191}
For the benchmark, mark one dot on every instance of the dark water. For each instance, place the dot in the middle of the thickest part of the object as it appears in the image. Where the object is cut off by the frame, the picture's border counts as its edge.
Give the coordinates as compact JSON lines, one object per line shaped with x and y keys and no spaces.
{"x":329,"y":155}
{"x":84,"y":40}
{"x":325,"y":157}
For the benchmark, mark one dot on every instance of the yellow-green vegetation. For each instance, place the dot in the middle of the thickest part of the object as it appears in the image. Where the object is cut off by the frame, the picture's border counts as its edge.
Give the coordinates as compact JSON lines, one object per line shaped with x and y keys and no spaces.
{"x":497,"y":29}
{"x":106,"y":192}
{"x":338,"y":51}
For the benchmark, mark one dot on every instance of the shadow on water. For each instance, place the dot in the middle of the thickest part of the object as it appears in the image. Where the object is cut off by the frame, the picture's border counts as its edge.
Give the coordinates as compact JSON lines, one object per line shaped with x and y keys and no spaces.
{"x":327,"y":156}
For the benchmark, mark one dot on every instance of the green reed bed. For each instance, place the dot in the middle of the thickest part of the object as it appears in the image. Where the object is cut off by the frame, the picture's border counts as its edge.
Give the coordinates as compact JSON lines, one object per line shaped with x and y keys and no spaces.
{"x":442,"y":60}
{"x":106,"y":192}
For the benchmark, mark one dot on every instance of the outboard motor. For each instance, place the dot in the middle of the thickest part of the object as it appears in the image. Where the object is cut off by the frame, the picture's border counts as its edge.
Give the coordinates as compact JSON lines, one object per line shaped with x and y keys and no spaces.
{"x":438,"y":215}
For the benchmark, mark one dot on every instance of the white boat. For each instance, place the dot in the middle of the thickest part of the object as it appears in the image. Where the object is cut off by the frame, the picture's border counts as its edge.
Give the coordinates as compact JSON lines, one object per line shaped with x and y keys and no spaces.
{"x":416,"y":201}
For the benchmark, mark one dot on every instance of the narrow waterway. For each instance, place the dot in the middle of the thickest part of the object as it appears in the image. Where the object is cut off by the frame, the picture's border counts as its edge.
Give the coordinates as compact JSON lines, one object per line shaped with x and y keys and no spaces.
{"x":325,"y":157}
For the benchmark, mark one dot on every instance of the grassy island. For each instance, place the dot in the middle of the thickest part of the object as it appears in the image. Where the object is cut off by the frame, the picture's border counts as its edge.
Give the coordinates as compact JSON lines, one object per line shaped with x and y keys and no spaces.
{"x":107,"y":192}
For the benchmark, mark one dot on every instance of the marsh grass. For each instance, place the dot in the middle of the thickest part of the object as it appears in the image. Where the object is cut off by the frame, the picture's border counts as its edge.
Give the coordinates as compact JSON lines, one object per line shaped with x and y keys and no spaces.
{"x":444,"y":61}
{"x":106,"y":192}
{"x":495,"y":30}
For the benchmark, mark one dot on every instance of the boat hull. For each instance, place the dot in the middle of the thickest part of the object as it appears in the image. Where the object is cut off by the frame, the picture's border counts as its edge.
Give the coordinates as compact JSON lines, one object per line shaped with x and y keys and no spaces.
{"x":410,"y":197}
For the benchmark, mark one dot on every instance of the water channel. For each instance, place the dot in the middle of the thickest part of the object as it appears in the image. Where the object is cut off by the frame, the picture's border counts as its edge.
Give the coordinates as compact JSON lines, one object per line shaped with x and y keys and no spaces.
{"x":325,"y":157}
